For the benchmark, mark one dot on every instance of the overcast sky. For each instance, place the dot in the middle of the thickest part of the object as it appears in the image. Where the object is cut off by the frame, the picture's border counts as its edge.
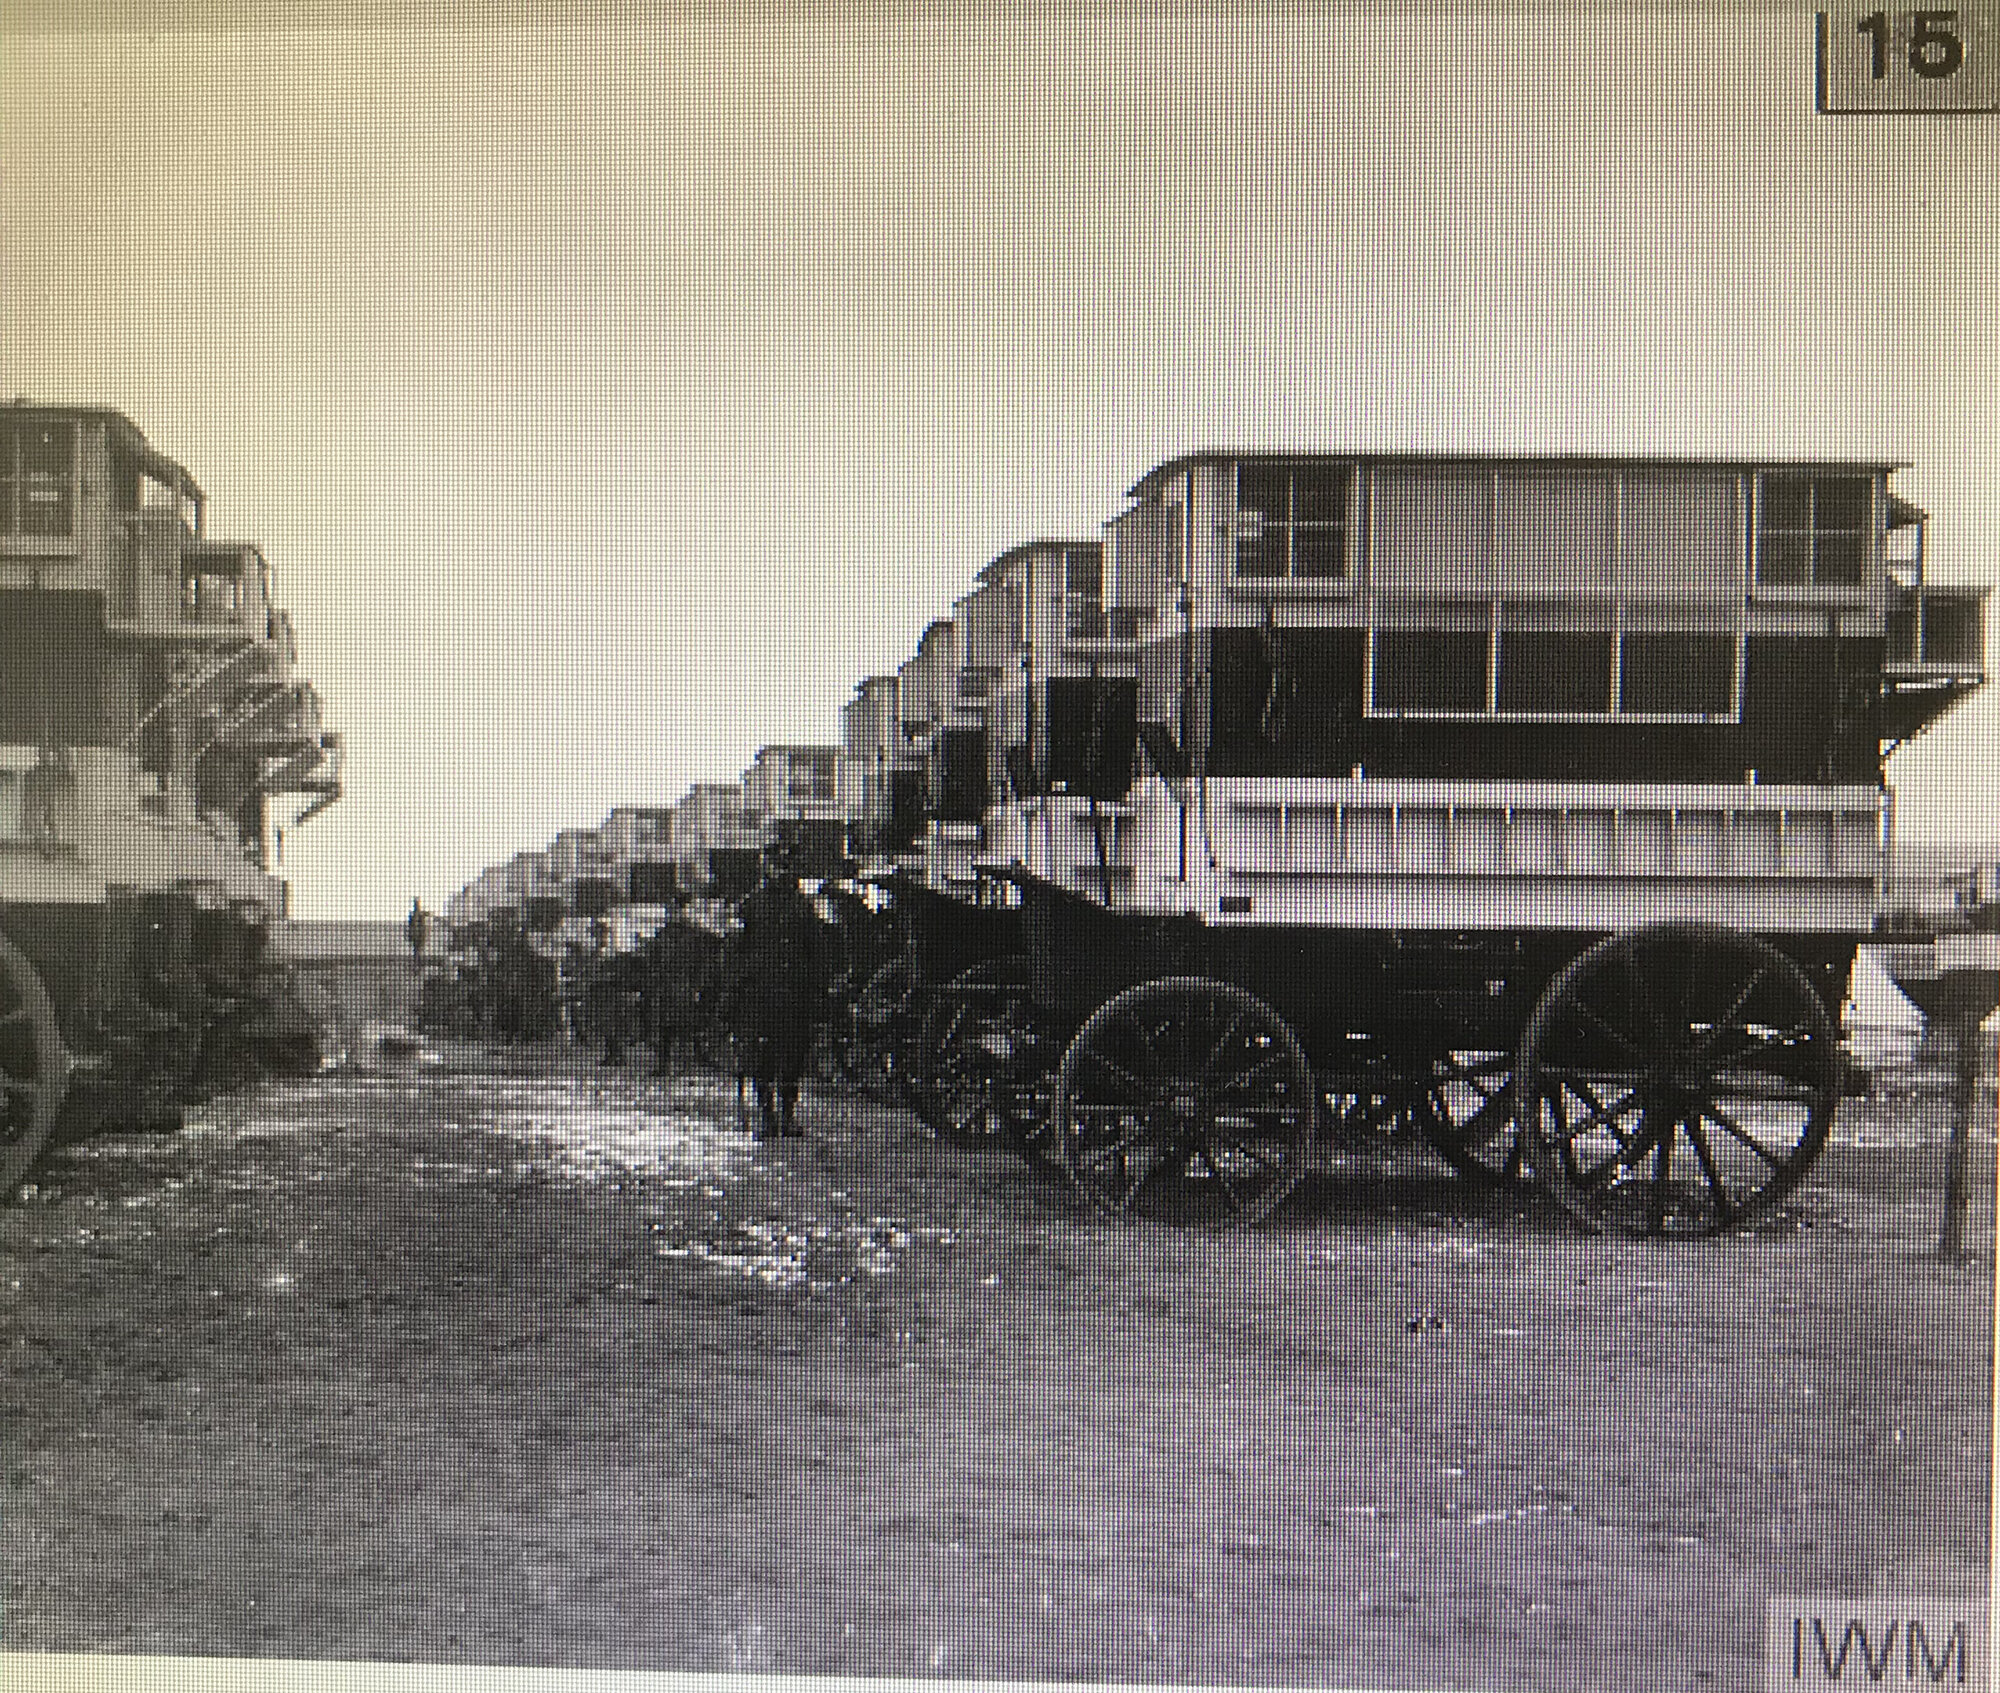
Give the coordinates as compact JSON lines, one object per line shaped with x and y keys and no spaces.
{"x":609,"y":398}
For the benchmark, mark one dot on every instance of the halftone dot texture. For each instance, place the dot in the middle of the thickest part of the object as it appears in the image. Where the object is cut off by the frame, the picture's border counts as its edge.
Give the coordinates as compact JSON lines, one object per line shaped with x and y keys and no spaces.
{"x":611,"y":395}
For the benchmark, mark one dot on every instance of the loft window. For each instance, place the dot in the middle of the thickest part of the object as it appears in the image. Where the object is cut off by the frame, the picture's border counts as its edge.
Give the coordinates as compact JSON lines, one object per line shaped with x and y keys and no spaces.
{"x":47,"y":449}
{"x":812,"y":777}
{"x":1587,"y":661}
{"x":1430,"y":670}
{"x":37,"y":478}
{"x":1292,"y":521}
{"x":1083,"y":594}
{"x":1554,"y":670}
{"x":211,"y":593}
{"x":1813,"y":531}
{"x":1677,"y":673}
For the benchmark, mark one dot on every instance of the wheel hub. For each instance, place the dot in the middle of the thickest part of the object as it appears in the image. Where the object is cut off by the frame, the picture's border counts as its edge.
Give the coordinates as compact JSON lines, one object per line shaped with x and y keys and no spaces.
{"x":1679,"y":1087}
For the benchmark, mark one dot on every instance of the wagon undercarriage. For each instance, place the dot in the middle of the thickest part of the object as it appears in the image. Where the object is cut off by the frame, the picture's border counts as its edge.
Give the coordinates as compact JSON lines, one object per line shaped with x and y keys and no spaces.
{"x":1674,"y":1079}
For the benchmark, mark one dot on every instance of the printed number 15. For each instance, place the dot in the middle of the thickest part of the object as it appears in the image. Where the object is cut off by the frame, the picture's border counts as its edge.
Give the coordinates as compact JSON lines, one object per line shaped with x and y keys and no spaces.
{"x":1935,"y":49}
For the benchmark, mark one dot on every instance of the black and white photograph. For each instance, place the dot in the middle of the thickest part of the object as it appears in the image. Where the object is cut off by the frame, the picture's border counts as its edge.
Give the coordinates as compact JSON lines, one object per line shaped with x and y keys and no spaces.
{"x":1027,"y":842}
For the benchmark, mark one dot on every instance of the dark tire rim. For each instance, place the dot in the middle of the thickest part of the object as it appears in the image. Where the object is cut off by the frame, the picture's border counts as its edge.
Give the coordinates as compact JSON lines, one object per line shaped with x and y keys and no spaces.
{"x":1185,"y":1100}
{"x":1678,"y":1080}
{"x":34,"y":1068}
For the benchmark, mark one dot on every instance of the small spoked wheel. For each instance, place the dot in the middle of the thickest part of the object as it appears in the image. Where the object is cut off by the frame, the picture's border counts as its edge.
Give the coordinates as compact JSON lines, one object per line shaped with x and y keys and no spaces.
{"x":979,"y":1052}
{"x":1465,"y":1110}
{"x":871,"y":1030}
{"x":34,"y":1068}
{"x":718,"y":1039}
{"x":1185,"y":1100}
{"x":1677,"y":1080}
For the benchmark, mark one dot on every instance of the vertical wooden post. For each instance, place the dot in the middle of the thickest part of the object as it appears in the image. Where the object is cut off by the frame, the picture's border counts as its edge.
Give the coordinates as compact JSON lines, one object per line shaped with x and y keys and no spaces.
{"x":1966,"y":1054}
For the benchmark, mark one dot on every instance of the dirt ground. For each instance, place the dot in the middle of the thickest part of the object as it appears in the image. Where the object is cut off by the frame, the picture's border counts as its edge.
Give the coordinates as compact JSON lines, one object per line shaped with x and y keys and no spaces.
{"x":546,"y":1364}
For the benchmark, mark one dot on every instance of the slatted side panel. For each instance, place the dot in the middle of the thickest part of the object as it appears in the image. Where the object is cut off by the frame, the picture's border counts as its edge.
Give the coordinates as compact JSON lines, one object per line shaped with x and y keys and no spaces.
{"x":1321,"y":836}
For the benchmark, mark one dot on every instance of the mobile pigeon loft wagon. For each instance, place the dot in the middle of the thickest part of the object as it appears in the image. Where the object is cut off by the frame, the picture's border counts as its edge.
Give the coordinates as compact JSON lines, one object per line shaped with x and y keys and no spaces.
{"x":1534,"y":805}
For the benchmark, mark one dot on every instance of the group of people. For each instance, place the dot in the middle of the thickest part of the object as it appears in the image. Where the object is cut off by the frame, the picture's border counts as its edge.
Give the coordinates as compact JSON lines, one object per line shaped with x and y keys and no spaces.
{"x":760,"y":991}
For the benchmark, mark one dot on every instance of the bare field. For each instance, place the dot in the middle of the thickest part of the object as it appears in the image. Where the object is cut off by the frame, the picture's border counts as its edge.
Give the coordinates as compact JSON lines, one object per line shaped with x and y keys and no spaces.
{"x":552,"y":1365}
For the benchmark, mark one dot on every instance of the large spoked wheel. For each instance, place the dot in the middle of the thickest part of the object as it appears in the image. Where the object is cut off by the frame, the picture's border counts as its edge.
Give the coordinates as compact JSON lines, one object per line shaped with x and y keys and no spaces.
{"x":980,"y":1055}
{"x":1677,"y":1080}
{"x":1466,"y":1113}
{"x":34,"y":1067}
{"x":1185,"y":1100}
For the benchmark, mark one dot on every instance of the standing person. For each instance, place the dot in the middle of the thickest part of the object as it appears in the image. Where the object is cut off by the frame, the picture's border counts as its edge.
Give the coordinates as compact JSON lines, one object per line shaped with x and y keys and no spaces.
{"x":678,"y":962}
{"x":417,"y":927}
{"x":779,"y":989}
{"x":608,"y":991}
{"x":511,"y":959}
